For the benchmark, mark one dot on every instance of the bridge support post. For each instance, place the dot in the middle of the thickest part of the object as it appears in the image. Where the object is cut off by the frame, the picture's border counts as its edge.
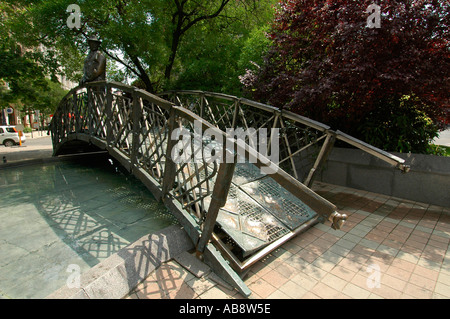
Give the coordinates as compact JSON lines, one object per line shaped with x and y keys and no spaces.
{"x":237,"y":106}
{"x":170,"y":168}
{"x":137,"y":114}
{"x":90,"y":108}
{"x":202,"y":104}
{"x":109,"y":115}
{"x":218,"y":200}
{"x":76,"y":112}
{"x":321,"y":158}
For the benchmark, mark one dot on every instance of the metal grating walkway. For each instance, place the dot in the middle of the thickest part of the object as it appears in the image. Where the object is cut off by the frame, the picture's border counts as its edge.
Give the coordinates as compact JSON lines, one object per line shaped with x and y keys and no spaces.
{"x":259,"y":211}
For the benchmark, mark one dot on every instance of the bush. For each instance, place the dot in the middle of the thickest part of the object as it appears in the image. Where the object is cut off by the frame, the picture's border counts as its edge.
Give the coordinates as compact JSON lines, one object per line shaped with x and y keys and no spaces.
{"x":439,"y":150}
{"x":400,"y":126}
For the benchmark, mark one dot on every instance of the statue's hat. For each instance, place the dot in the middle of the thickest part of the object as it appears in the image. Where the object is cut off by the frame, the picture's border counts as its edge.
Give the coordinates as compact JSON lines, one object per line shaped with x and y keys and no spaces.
{"x":94,"y":39}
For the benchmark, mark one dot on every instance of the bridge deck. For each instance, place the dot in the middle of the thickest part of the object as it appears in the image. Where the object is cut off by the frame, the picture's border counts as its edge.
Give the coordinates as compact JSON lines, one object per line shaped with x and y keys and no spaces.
{"x":258,"y":210}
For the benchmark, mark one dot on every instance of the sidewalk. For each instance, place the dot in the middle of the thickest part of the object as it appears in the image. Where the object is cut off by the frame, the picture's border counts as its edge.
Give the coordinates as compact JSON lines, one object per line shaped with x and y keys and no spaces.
{"x":389,"y":248}
{"x":36,"y":134}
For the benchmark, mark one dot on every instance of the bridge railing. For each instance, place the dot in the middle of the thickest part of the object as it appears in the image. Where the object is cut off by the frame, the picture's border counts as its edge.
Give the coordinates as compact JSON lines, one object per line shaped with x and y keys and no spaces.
{"x":304,"y":144}
{"x":146,"y":133}
{"x":182,"y":151}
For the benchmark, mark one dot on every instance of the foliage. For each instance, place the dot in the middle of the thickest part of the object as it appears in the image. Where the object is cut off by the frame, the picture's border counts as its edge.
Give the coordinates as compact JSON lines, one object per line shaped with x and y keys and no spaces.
{"x":47,"y":100}
{"x":218,"y":53}
{"x":400,"y":127}
{"x":327,"y":64}
{"x":439,"y":150}
{"x":19,"y":72}
{"x":23,"y":70}
{"x":147,"y":39}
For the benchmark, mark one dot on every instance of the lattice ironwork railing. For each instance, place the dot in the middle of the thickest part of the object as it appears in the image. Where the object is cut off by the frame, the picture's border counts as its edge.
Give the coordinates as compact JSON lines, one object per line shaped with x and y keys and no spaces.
{"x":300,"y":139}
{"x":151,"y":138}
{"x":304,"y":144}
{"x":178,"y":149}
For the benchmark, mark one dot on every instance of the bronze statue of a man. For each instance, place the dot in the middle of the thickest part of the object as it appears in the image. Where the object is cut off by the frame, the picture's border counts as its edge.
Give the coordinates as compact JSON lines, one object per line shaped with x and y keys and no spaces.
{"x":95,"y":63}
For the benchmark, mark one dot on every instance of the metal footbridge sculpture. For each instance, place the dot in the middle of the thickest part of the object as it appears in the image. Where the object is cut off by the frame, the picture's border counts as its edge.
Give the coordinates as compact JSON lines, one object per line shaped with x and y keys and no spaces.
{"x":235,"y":211}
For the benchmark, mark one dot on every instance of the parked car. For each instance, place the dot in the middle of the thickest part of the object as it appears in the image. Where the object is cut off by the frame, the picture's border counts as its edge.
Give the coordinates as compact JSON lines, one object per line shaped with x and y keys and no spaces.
{"x":10,"y":137}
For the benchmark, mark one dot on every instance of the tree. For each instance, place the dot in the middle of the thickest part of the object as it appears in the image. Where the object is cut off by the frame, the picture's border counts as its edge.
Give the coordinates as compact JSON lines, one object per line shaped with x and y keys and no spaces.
{"x":19,"y":72}
{"x":26,"y":81}
{"x":48,"y":100}
{"x":144,"y":37}
{"x":328,"y":64}
{"x":217,"y":52}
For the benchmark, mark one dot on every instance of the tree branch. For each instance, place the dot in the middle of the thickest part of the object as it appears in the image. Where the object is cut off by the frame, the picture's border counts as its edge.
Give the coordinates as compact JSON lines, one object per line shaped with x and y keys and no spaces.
{"x":180,"y":30}
{"x":115,"y":58}
{"x":205,"y":17}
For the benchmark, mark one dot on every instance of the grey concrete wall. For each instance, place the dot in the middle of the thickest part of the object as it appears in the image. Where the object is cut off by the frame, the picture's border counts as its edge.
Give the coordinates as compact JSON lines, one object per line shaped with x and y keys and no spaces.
{"x":428,"y":181}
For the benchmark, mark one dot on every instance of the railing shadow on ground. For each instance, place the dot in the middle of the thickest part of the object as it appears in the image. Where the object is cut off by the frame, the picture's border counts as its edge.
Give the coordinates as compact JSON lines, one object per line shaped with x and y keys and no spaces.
{"x":87,"y":218}
{"x":83,"y":227}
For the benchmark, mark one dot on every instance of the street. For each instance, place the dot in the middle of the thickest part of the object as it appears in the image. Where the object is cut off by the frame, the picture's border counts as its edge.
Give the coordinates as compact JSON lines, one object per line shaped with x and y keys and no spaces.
{"x":36,"y":147}
{"x":444,"y":138}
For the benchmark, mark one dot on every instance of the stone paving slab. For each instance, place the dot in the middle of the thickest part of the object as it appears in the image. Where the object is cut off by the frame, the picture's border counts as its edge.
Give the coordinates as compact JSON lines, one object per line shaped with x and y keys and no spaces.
{"x":117,"y":275}
{"x":390,"y":248}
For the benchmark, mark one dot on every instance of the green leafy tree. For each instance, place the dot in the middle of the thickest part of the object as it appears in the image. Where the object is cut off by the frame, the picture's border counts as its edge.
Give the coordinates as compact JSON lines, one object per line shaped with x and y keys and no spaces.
{"x":218,"y":52}
{"x":18,"y":69}
{"x":147,"y":38}
{"x":20,"y":74}
{"x":47,"y":100}
{"x":26,"y":80}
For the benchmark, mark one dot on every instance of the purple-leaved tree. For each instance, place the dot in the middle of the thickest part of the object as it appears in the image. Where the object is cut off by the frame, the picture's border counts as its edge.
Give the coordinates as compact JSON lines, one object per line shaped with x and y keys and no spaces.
{"x":388,"y":85}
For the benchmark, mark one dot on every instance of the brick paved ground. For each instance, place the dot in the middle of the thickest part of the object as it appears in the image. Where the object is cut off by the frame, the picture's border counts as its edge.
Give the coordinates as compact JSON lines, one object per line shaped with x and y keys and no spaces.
{"x":389,"y":248}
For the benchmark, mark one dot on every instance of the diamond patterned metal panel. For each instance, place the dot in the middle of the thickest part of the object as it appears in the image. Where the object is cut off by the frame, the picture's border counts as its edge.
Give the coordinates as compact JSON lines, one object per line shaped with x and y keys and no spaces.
{"x":281,"y":203}
{"x":248,"y":223}
{"x":259,"y":211}
{"x":245,"y":173}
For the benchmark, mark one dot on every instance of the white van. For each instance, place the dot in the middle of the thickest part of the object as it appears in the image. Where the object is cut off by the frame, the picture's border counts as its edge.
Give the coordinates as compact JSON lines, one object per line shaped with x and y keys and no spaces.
{"x":9,"y":136}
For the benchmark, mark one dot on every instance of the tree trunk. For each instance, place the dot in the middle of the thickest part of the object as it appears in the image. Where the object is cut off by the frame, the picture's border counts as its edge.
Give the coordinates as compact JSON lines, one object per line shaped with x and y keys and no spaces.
{"x":173,"y":54}
{"x":148,"y":84}
{"x":143,"y":74}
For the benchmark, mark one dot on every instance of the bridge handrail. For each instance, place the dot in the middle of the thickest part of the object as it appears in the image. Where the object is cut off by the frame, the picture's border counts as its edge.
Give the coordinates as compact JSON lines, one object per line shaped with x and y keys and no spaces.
{"x":391,"y":159}
{"x":99,"y":122}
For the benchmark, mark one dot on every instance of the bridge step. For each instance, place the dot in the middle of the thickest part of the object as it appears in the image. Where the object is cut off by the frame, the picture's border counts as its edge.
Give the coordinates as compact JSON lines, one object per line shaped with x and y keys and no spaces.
{"x":259,"y":211}
{"x":116,"y":276}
